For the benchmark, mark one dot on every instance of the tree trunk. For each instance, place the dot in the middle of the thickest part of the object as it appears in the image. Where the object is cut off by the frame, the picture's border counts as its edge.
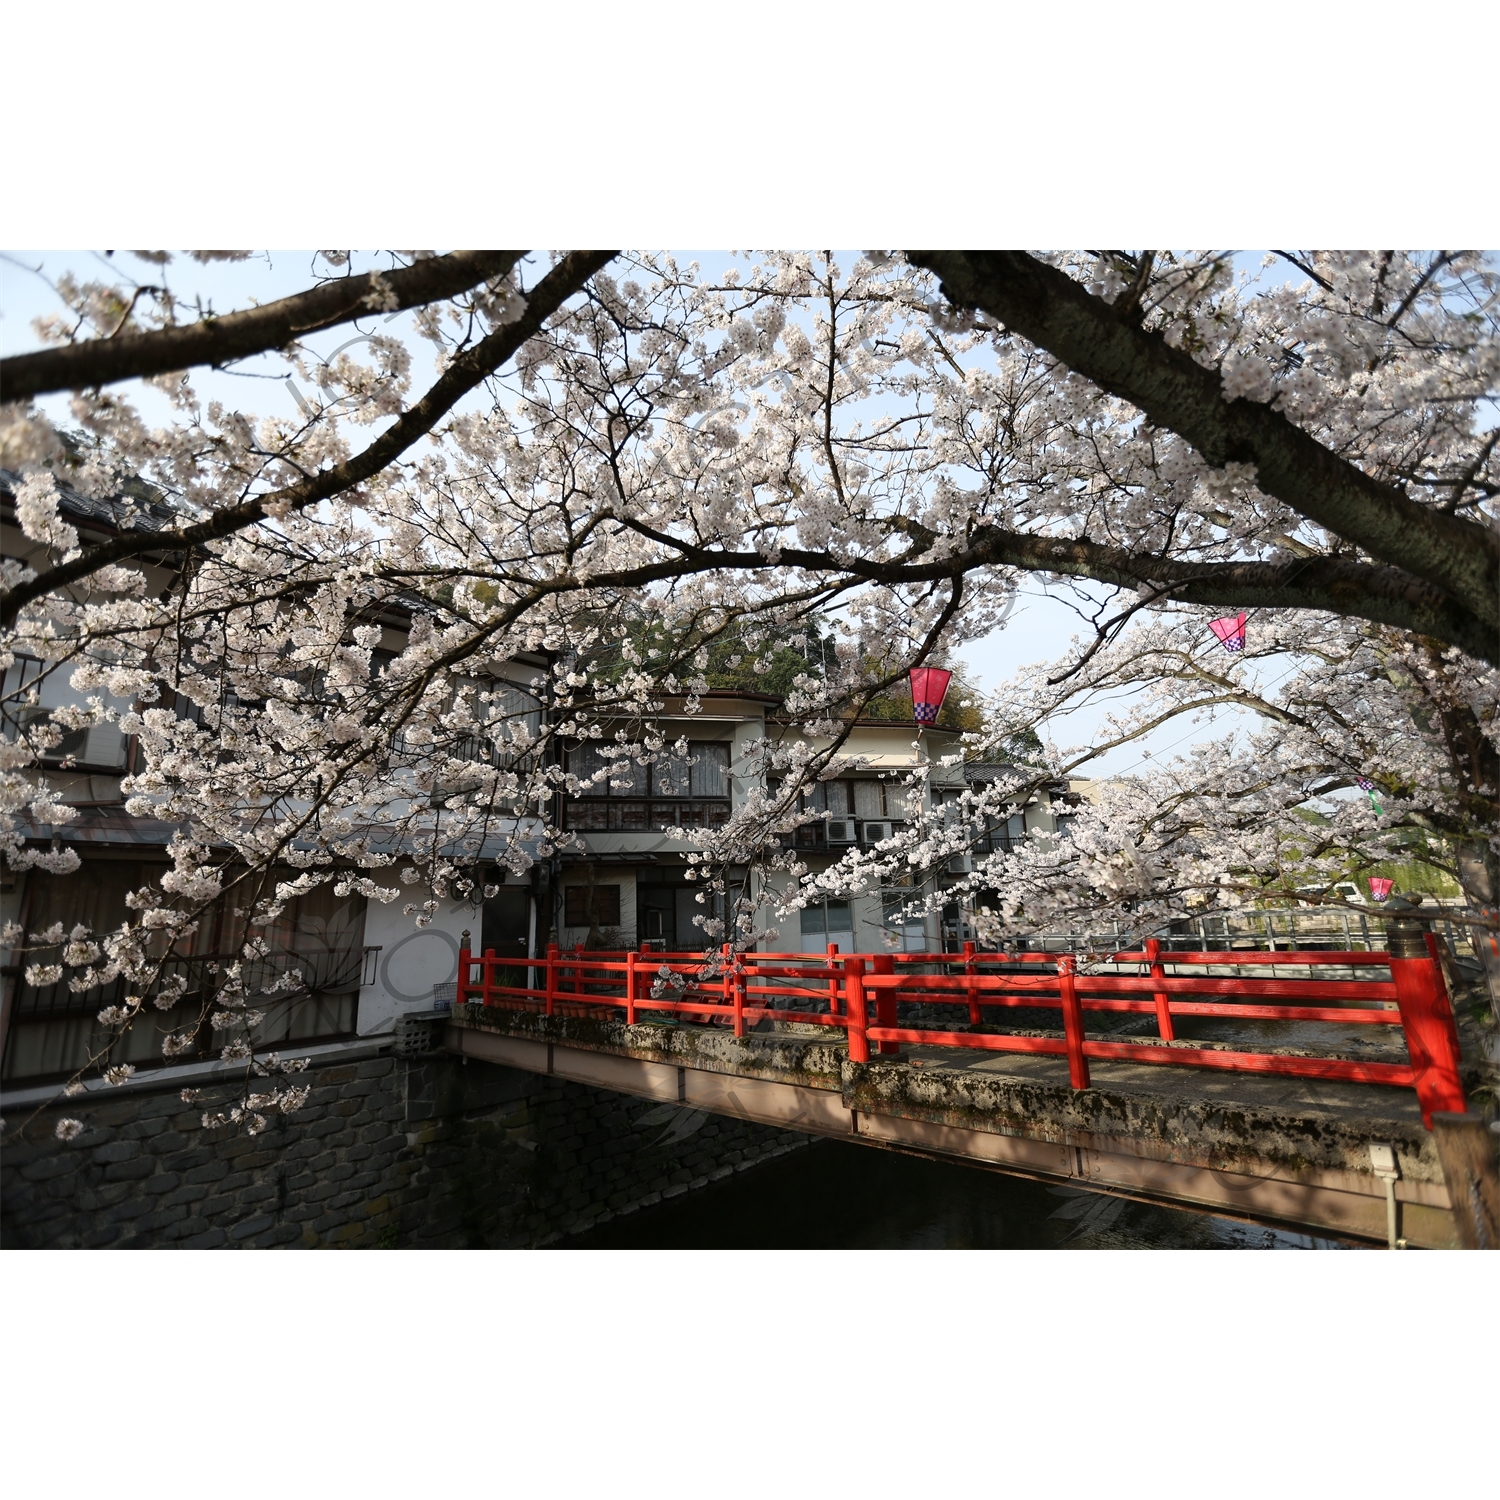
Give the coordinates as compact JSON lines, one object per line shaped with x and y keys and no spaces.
{"x":1479,"y":877}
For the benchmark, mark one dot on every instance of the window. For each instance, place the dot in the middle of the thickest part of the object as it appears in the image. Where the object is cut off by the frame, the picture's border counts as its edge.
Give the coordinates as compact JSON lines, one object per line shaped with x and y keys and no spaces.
{"x":514,"y":721}
{"x":100,"y":747}
{"x":580,"y":911}
{"x":53,"y":1028}
{"x":861,"y":798}
{"x":825,"y":922}
{"x":1003,"y":834}
{"x":702,"y":772}
{"x":857,"y":798}
{"x":685,"y":791}
{"x":906,"y":929}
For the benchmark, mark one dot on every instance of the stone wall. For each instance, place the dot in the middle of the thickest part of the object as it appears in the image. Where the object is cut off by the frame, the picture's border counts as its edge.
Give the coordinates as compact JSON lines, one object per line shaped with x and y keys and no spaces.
{"x":389,"y":1152}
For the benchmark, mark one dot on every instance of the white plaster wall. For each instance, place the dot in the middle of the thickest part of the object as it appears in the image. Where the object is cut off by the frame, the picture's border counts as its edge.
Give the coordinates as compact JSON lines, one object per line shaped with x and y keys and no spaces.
{"x":1039,"y":816}
{"x":411,"y":959}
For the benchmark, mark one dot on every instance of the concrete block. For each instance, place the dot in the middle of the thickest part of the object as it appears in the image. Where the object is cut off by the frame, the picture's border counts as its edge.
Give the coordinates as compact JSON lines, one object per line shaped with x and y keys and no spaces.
{"x":248,"y":1227}
{"x":255,"y":1161}
{"x":192,"y":1192}
{"x":113,"y":1112}
{"x":106,"y":1195}
{"x":210,"y":1239}
{"x":129,"y":1171}
{"x":50,"y":1212}
{"x":50,"y":1167}
{"x":160,"y":1219}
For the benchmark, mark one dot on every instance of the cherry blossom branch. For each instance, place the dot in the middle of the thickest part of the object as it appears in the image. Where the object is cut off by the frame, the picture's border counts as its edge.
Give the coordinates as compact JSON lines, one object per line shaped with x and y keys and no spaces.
{"x":466,"y":371}
{"x":217,"y":341}
{"x":1338,"y":585}
{"x":1052,"y":309}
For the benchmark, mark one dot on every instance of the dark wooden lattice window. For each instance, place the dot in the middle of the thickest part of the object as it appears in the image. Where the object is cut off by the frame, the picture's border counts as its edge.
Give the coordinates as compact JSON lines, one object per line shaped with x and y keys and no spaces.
{"x":605,"y":908}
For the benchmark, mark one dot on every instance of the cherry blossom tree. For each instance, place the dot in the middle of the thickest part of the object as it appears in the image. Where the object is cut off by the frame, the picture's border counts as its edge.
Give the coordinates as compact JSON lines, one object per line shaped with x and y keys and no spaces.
{"x":633,"y":471}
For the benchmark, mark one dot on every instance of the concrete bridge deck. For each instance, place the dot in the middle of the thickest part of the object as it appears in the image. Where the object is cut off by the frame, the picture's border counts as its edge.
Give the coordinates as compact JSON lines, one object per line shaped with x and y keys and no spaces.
{"x":1290,"y":1152}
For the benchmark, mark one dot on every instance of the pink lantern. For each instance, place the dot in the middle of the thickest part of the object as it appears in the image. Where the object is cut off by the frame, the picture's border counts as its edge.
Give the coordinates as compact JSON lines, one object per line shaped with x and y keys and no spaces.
{"x":1231,"y":632}
{"x":1380,"y":889}
{"x":929,"y":686}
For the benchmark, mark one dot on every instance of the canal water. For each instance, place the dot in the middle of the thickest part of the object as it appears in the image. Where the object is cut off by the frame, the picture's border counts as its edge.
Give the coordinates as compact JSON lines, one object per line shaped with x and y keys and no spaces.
{"x":834,"y":1195}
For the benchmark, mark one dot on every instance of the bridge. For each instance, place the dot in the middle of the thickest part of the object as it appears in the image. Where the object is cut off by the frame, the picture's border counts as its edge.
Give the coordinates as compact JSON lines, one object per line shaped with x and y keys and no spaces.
{"x":1313,"y":1090}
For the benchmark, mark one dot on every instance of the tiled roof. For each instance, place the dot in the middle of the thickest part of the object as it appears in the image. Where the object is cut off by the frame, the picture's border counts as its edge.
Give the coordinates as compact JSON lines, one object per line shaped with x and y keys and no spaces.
{"x":139,"y":503}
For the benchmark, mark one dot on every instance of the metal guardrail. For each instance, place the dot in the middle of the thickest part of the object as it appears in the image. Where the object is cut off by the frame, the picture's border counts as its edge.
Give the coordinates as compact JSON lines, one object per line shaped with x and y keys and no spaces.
{"x":1347,"y":931}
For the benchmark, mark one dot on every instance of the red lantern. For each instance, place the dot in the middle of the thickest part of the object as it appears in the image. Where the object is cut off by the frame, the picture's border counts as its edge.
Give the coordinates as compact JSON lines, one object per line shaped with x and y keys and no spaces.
{"x":929,"y":686}
{"x":1380,"y":889}
{"x":1230,"y":631}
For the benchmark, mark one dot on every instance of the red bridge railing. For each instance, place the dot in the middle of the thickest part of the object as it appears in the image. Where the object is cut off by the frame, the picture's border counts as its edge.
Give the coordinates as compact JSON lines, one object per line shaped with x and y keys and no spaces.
{"x":863,"y":995}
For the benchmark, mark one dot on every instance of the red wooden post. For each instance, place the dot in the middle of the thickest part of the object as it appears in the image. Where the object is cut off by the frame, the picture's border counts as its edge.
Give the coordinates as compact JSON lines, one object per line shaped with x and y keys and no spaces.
{"x":461,"y":990}
{"x":487,"y":974}
{"x":1163,"y":1009}
{"x":734,"y":993}
{"x":885,"y":1000}
{"x":833,"y":984}
{"x":630,"y":988}
{"x":1426,"y":1018}
{"x":854,"y":1002}
{"x":974,"y":1014}
{"x":1078,"y":1064}
{"x":552,"y":955}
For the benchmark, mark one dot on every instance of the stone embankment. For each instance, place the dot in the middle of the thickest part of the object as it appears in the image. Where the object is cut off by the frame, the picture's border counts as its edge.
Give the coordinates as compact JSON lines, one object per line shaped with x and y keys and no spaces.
{"x":388,"y":1152}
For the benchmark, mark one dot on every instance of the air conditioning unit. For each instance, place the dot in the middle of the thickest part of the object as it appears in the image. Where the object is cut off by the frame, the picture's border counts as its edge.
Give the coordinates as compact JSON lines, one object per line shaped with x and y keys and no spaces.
{"x":873,"y":833}
{"x":841,"y":831}
{"x":960,"y":864}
